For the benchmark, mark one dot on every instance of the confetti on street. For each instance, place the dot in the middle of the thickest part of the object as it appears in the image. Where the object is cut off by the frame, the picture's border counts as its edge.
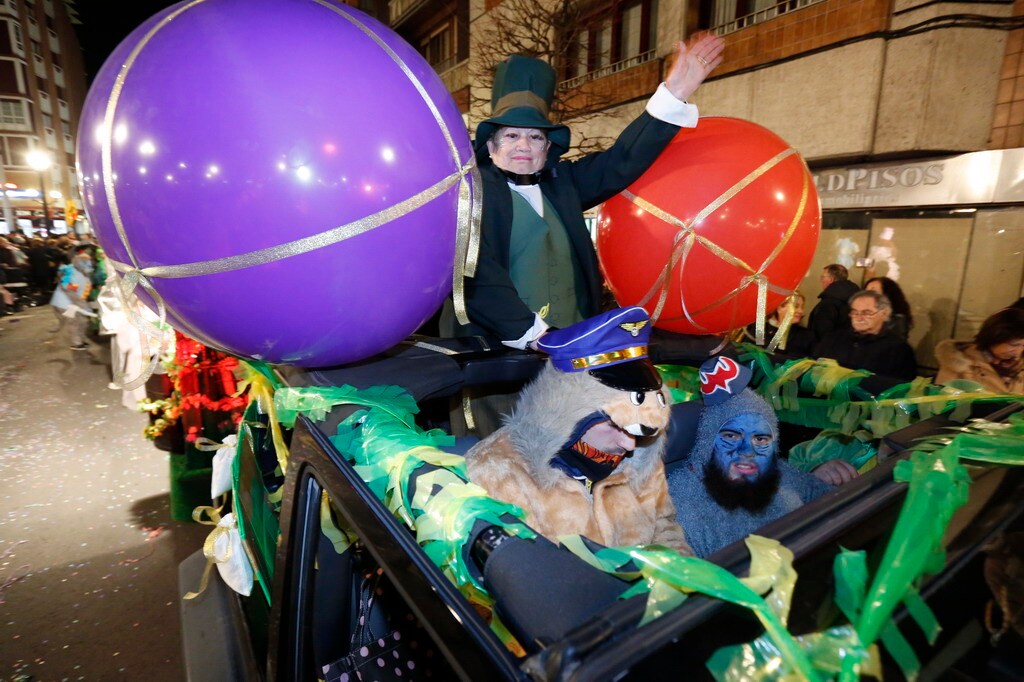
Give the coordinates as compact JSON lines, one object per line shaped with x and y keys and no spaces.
{"x":88,"y":551}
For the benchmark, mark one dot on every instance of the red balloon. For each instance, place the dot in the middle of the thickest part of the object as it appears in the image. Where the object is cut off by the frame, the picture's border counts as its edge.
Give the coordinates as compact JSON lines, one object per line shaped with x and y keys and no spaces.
{"x":734,"y":205}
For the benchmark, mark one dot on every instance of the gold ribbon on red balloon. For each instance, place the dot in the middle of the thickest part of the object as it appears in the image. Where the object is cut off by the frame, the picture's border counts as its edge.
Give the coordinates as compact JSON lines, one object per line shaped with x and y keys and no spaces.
{"x":687,"y":236}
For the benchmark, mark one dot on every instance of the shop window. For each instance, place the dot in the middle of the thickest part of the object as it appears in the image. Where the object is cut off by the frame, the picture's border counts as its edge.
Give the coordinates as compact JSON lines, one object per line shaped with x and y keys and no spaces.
{"x":926,"y":252}
{"x":995,"y":268}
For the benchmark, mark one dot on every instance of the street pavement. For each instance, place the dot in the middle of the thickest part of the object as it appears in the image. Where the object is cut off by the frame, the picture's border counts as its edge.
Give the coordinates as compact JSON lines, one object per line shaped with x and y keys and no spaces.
{"x":88,"y":551}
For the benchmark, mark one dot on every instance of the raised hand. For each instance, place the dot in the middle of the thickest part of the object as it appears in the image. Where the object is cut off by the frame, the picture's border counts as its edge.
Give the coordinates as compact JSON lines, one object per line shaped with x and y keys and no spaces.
{"x":694,"y":61}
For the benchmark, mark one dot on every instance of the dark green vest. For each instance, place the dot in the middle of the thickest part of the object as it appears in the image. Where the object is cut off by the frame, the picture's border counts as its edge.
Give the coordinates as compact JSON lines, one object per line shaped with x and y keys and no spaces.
{"x":542,"y":264}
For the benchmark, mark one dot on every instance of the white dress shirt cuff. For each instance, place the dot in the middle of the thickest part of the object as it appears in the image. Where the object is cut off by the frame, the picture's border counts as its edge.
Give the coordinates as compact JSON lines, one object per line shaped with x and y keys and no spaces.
{"x":532,"y":334}
{"x":664,"y":106}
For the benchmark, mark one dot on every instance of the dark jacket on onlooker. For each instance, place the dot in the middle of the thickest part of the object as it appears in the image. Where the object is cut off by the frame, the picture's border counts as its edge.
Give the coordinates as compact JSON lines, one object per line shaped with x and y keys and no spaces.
{"x":898,"y":326}
{"x":799,"y":340}
{"x":832,"y":311}
{"x":883,"y":353}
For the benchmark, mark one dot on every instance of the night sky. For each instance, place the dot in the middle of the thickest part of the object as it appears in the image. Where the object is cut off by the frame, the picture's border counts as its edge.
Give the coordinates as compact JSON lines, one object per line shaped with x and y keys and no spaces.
{"x":105,"y":23}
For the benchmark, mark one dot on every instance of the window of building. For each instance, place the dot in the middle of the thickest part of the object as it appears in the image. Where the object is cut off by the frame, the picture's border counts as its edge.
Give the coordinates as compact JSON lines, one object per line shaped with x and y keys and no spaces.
{"x":13,"y":149}
{"x":37,"y":47}
{"x":616,"y":35}
{"x":13,"y":112}
{"x":726,"y":16}
{"x":439,"y":48}
{"x":17,"y":40}
{"x":9,"y":81}
{"x":54,"y":42}
{"x":47,"y":121}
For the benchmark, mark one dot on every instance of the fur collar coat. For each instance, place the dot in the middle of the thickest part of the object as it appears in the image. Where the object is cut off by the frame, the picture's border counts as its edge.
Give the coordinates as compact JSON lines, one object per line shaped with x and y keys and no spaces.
{"x":960,"y":360}
{"x":629,"y":507}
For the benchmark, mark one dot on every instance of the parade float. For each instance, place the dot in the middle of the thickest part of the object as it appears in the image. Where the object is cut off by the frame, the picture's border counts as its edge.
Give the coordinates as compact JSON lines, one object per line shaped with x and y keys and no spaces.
{"x":306,"y":210}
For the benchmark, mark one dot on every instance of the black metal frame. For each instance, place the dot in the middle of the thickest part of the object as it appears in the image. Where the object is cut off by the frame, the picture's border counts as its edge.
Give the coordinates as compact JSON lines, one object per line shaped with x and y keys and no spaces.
{"x":464,"y":639}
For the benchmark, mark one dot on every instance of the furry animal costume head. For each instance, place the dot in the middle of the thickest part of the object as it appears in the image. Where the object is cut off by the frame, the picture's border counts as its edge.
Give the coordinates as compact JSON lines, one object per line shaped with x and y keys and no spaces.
{"x":553,"y":410}
{"x":599,"y":371}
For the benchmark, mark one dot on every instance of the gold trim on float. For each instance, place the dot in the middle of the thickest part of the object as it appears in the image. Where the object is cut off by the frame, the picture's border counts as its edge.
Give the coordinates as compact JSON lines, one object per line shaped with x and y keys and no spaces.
{"x":686,"y":237}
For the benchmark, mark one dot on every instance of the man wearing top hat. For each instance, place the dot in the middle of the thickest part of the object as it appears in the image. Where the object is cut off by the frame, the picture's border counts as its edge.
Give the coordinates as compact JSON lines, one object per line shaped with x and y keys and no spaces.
{"x":582,"y":451}
{"x":536,"y":254}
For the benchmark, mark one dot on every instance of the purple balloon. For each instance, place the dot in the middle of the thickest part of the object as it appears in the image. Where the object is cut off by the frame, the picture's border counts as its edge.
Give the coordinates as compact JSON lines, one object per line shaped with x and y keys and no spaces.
{"x":244,"y":125}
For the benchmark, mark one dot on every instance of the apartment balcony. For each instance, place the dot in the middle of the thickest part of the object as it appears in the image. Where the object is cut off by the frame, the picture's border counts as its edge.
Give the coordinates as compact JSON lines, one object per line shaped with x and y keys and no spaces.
{"x":614,"y":84}
{"x":401,"y":11}
{"x":761,"y":15}
{"x":455,"y":76}
{"x":608,"y":70}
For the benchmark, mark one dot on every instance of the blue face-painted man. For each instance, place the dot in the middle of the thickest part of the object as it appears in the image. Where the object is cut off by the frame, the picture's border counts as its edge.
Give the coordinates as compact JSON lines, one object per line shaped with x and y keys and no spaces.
{"x":744,"y":449}
{"x":742,"y":471}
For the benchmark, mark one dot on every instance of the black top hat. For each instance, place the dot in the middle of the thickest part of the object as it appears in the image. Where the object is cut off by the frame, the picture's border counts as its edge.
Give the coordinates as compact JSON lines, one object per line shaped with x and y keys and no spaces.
{"x":524,"y":88}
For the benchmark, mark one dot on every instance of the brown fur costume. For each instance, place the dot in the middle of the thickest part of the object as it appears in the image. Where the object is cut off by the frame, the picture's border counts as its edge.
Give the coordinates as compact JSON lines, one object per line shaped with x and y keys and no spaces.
{"x":629,"y":507}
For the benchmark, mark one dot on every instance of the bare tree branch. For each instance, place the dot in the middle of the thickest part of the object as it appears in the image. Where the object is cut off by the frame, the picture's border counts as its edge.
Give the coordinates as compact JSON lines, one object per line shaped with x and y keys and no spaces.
{"x":549,"y":30}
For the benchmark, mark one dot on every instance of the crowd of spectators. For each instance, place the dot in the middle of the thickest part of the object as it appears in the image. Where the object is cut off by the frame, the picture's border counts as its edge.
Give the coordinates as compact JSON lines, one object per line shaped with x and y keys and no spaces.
{"x":868,"y":328}
{"x":29,"y":267}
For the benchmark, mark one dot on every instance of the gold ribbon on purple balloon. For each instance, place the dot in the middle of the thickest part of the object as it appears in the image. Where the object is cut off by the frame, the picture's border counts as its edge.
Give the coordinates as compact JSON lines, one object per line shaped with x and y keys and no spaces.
{"x":466,"y":175}
{"x":687,"y":236}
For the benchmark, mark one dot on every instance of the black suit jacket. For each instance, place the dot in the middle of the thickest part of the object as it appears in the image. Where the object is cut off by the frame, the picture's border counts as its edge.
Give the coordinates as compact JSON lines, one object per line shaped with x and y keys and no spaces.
{"x":572,"y":187}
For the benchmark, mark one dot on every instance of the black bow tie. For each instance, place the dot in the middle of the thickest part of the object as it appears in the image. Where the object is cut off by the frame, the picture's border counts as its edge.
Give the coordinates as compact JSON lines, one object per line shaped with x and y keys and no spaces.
{"x":522,"y":178}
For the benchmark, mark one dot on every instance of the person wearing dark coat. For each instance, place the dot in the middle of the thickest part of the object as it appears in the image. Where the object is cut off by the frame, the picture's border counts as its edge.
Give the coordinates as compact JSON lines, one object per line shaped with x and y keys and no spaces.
{"x":869,"y":344}
{"x":833,"y":308}
{"x":537,"y":265}
{"x":798,"y":341}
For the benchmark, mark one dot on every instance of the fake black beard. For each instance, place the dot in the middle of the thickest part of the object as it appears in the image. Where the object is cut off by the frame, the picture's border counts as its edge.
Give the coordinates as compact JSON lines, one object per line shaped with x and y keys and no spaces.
{"x":731,"y":495}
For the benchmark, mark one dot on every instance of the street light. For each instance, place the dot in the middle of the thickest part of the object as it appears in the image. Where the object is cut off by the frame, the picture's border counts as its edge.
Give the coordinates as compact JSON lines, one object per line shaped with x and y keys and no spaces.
{"x":41,"y":162}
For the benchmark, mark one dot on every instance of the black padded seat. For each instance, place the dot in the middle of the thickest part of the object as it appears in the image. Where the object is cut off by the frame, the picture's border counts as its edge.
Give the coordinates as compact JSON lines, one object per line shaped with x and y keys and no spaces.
{"x":682,"y":430}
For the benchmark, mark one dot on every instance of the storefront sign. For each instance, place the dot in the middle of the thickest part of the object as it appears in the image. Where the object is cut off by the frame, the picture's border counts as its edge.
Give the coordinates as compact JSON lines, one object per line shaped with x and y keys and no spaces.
{"x":975,"y":178}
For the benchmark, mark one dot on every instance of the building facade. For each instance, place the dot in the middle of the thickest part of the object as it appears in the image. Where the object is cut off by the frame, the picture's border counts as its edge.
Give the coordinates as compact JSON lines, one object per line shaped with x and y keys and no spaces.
{"x":42,"y":89}
{"x":890,"y":102}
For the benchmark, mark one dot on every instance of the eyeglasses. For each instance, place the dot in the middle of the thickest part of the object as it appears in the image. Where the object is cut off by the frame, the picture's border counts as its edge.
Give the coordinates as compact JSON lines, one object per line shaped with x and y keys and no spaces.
{"x":535,"y":140}
{"x":863,"y":313}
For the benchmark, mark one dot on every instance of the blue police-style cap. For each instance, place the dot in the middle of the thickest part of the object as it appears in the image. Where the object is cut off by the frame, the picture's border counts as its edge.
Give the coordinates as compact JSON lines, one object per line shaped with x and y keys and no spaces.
{"x":721,"y":378}
{"x":611,"y":346}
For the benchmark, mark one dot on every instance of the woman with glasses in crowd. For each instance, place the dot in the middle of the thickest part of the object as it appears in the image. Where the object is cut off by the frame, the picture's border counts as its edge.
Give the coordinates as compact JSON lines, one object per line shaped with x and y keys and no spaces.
{"x":869,"y":343}
{"x":993,"y":359}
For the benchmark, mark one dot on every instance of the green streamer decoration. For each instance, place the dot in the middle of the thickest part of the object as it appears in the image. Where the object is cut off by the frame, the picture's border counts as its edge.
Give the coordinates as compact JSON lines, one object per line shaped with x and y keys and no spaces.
{"x":387,"y":449}
{"x":824,"y":395}
{"x":660,"y":568}
{"x":315,"y":402}
{"x":937,"y":487}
